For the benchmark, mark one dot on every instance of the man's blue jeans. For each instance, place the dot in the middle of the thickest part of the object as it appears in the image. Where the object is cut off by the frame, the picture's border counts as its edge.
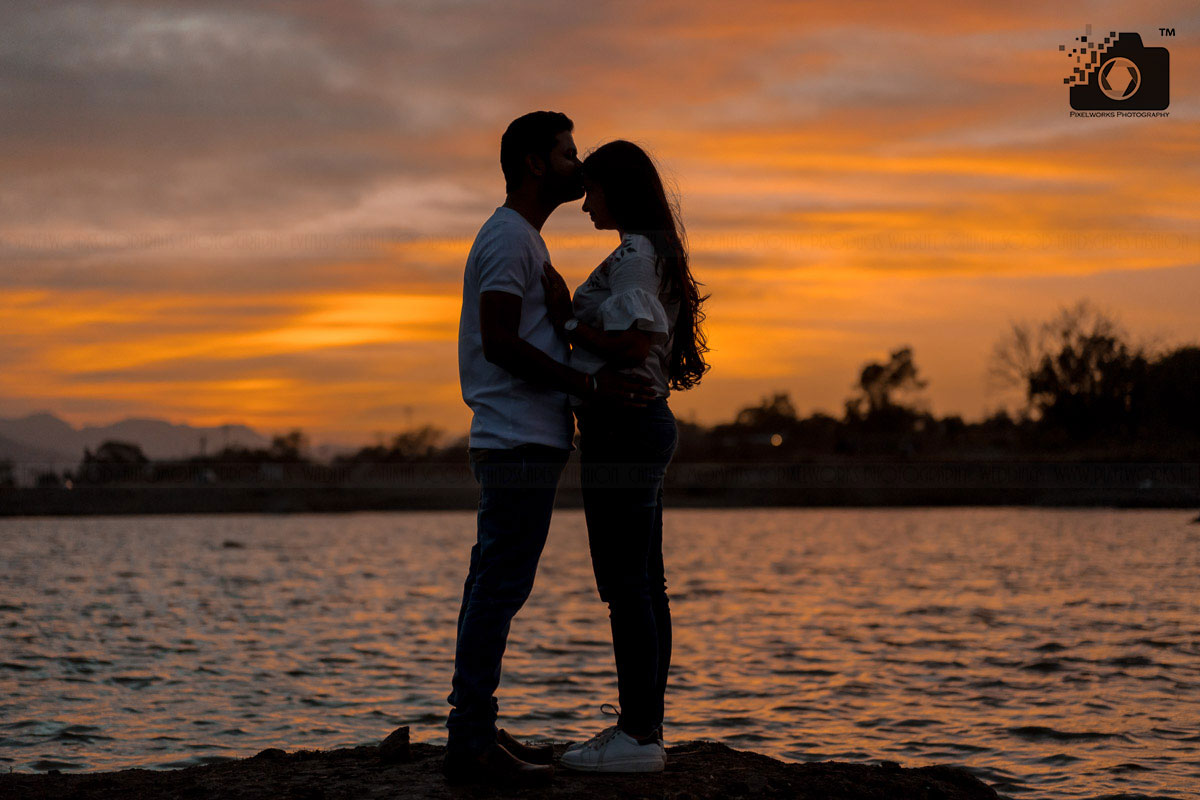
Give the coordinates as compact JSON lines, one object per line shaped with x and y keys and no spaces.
{"x":624,"y":453}
{"x":516,"y":498}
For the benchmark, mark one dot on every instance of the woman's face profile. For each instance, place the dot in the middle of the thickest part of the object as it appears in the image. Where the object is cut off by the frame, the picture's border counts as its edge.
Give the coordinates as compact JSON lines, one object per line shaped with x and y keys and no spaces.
{"x":595,"y":207}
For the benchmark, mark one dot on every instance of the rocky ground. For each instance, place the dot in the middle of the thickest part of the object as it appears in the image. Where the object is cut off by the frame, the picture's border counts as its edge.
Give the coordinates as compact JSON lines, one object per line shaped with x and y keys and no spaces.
{"x":393,"y":769}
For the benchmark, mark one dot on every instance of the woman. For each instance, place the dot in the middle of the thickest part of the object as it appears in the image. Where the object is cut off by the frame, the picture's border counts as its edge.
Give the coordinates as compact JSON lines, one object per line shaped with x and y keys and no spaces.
{"x":639,"y":312}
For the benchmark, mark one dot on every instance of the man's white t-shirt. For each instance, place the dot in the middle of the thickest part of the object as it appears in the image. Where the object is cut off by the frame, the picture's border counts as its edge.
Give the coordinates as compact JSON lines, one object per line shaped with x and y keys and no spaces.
{"x":507,"y":256}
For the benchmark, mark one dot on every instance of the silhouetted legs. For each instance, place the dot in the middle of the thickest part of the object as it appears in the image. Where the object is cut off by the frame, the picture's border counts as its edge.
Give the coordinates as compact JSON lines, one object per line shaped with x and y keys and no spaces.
{"x":624,"y":453}
{"x":516,"y":498}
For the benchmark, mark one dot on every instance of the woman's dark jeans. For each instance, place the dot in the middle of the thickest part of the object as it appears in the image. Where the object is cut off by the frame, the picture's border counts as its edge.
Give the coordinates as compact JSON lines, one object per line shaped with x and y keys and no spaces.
{"x":624,"y":454}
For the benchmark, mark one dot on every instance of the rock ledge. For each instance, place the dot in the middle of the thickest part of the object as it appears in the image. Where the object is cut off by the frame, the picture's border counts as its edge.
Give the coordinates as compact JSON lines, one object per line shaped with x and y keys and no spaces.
{"x":695,"y":770}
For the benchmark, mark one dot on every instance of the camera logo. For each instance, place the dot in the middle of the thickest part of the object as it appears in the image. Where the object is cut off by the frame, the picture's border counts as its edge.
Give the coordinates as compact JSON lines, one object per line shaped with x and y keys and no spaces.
{"x":1118,"y":73}
{"x":1115,"y":83}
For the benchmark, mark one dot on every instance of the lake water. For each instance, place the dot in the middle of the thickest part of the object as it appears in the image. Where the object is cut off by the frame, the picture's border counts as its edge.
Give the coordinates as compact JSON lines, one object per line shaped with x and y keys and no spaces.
{"x":1054,"y":653}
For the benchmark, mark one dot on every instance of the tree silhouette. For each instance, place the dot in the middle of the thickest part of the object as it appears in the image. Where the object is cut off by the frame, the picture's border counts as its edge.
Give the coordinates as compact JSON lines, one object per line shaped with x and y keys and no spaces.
{"x":114,"y":452}
{"x":878,"y":382}
{"x":289,"y":447}
{"x":418,"y":444}
{"x":773,"y":412}
{"x":1173,"y":391}
{"x":112,"y":461}
{"x":1080,"y":377}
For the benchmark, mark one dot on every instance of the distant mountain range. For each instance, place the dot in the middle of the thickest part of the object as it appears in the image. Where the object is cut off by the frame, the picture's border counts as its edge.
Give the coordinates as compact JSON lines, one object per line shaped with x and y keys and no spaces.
{"x":20,"y":453}
{"x":44,"y":438}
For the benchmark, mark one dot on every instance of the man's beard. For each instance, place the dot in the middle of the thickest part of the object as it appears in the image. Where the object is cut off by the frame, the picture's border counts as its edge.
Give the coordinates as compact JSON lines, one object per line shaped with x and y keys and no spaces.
{"x":565,"y":190}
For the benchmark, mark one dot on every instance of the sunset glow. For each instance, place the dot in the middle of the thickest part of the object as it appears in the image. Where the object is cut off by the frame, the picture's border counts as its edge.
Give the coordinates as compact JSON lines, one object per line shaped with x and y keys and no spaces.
{"x":234,"y":213}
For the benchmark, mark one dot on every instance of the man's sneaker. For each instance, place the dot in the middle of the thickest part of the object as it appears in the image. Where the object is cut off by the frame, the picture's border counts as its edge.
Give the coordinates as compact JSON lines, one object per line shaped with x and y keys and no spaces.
{"x":613,"y":750}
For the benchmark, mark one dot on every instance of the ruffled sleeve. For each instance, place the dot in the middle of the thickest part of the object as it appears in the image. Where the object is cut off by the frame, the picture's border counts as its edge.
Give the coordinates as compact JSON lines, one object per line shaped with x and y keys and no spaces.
{"x":634,"y":281}
{"x":634,"y":306}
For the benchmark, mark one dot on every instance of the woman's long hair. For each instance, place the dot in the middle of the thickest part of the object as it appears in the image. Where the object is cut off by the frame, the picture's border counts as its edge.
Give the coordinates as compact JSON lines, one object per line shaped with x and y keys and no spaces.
{"x":638,"y":203}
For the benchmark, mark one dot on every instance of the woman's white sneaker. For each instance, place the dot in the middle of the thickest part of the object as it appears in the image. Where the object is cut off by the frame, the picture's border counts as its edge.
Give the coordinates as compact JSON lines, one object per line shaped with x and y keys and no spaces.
{"x":602,"y":734}
{"x":613,"y":750}
{"x":658,"y":733}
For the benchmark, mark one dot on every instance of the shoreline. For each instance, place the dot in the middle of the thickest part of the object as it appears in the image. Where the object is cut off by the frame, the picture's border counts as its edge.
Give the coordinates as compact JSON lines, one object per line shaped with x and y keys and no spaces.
{"x":394,"y":768}
{"x":147,"y":502}
{"x":450,"y":487}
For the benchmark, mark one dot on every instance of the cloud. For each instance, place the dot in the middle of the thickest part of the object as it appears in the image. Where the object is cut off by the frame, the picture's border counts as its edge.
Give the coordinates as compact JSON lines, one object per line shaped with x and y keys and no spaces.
{"x":189,"y":189}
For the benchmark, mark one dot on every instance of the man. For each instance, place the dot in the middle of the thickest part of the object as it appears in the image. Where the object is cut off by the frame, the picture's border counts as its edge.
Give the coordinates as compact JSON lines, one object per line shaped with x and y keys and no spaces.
{"x":515,"y":379}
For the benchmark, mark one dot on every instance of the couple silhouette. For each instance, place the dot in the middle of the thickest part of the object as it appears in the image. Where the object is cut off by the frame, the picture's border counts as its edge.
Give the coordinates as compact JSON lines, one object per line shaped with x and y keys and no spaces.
{"x":534,"y":361}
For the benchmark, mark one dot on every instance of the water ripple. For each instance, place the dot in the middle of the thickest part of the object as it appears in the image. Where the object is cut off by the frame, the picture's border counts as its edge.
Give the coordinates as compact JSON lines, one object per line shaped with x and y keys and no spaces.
{"x":1053,"y":653}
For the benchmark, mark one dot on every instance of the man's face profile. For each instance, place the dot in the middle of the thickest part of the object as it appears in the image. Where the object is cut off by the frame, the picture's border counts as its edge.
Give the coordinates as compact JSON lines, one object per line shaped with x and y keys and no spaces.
{"x":566,"y":167}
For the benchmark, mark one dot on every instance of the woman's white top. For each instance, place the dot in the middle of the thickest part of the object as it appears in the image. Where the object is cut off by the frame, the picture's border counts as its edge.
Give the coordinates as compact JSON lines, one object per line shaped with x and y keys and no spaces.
{"x":629,"y":289}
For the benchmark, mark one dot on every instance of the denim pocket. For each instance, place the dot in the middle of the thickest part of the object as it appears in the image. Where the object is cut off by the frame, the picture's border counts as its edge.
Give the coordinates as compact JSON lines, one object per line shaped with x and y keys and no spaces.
{"x":663,"y":438}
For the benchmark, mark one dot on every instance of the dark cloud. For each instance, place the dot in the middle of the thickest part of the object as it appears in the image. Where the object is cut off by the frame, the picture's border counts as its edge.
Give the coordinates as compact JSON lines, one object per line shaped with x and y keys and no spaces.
{"x":279,"y":151}
{"x":423,"y":362}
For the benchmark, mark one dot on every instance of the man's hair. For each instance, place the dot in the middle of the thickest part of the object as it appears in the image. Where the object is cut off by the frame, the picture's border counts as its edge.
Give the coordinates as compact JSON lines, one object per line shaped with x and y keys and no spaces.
{"x":533,"y":134}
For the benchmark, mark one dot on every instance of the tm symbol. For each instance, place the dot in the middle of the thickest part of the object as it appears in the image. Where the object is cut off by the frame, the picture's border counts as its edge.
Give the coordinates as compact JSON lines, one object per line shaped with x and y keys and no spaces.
{"x":1166,"y":31}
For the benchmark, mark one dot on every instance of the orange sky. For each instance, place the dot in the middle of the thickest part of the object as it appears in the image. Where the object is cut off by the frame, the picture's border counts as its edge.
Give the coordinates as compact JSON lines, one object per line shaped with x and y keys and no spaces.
{"x":260,"y":212}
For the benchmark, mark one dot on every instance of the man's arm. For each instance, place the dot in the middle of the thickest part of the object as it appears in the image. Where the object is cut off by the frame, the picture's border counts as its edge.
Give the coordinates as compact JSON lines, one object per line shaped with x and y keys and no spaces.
{"x":621,"y":348}
{"x":499,"y":322}
{"x":627,"y":348}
